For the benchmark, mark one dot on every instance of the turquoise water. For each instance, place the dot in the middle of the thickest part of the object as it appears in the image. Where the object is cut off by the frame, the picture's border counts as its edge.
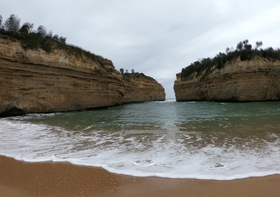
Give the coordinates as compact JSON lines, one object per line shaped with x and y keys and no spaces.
{"x":204,"y":140}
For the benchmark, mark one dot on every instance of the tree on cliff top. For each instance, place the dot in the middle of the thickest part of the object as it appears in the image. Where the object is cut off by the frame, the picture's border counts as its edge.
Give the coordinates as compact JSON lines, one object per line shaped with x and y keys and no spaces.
{"x":258,"y":44}
{"x":49,"y":34}
{"x":1,"y":21}
{"x":42,"y":31}
{"x":29,"y":39}
{"x":40,"y":39}
{"x":26,"y":28}
{"x":239,"y":46}
{"x":243,"y":50}
{"x":12,"y":24}
{"x":62,"y":40}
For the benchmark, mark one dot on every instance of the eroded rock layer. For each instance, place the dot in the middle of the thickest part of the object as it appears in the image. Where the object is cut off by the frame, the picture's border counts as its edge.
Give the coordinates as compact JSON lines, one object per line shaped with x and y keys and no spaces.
{"x":34,"y":81}
{"x":254,"y":80}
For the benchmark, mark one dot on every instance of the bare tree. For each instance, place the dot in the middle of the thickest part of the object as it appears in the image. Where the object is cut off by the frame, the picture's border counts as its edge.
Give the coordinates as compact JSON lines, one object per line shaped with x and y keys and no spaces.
{"x":245,"y":42}
{"x":26,"y":28}
{"x":42,"y":31}
{"x":258,"y":44}
{"x":239,"y":46}
{"x":227,"y":50}
{"x":122,"y":70}
{"x":1,"y":21}
{"x":50,"y":34}
{"x":62,"y":40}
{"x":12,"y":23}
{"x":55,"y":37}
{"x":132,"y":70}
{"x":248,"y":47}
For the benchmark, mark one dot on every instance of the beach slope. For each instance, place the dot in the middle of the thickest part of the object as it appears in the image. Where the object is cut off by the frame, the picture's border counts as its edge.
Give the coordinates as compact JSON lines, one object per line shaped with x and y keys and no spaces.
{"x":21,"y":179}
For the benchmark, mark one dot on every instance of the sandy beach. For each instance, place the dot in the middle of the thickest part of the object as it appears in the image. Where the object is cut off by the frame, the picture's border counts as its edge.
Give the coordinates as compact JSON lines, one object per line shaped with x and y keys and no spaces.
{"x":23,"y":179}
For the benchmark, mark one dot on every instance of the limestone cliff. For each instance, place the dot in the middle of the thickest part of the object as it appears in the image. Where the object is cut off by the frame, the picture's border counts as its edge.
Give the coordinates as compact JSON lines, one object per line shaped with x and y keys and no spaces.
{"x":35,"y":81}
{"x":251,"y":80}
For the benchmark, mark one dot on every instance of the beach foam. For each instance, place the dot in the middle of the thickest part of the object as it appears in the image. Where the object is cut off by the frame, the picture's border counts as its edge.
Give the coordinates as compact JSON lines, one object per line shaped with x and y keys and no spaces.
{"x":173,"y":154}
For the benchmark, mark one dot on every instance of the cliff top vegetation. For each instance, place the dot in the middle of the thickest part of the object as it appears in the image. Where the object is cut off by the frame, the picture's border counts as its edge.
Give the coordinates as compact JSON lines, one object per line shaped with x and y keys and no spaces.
{"x":126,"y":75}
{"x":244,"y":50}
{"x":40,"y":38}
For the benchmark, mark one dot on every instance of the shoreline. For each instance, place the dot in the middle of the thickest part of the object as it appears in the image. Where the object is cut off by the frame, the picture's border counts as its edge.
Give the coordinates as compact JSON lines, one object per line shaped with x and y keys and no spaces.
{"x":24,"y":179}
{"x":3,"y":115}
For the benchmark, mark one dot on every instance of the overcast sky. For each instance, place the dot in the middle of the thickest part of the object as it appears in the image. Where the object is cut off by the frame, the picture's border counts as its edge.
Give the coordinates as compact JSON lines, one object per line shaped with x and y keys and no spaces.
{"x":155,"y":37}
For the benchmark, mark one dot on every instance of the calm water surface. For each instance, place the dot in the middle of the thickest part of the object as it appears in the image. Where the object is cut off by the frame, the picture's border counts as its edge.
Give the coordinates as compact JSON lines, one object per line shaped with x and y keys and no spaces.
{"x":204,"y":140}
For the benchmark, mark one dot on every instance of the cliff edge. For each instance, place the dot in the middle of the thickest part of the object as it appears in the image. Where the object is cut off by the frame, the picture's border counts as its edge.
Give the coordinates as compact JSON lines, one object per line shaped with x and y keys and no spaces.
{"x":35,"y":81}
{"x":257,"y":79}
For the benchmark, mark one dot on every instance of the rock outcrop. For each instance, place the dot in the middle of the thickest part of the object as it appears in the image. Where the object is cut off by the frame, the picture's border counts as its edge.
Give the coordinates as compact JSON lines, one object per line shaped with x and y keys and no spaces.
{"x":34,"y":81}
{"x":254,"y":80}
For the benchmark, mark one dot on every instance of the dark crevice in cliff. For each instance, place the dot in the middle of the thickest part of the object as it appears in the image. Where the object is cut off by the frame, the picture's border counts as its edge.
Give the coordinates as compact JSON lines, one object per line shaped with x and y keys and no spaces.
{"x":11,"y":110}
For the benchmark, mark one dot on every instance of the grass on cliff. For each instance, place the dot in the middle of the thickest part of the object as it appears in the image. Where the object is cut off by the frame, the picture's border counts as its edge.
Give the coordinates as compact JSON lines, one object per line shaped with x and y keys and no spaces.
{"x":127,"y":76}
{"x":33,"y":41}
{"x":243,"y":50}
{"x":40,"y":39}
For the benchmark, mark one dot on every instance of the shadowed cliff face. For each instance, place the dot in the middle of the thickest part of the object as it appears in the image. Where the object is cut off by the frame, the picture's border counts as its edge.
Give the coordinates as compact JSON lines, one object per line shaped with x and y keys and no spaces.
{"x":254,"y":80}
{"x":34,"y":81}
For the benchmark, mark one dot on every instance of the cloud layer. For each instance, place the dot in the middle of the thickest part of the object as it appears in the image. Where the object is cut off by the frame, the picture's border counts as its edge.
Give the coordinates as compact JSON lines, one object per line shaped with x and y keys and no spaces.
{"x":154,"y":37}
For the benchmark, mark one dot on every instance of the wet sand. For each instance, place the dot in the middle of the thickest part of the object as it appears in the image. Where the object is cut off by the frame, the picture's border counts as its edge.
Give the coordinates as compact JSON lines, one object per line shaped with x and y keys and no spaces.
{"x":22,"y":179}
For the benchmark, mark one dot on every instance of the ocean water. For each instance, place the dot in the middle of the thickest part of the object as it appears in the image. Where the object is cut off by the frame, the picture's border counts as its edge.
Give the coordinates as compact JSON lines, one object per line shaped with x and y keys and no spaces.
{"x":203,"y":140}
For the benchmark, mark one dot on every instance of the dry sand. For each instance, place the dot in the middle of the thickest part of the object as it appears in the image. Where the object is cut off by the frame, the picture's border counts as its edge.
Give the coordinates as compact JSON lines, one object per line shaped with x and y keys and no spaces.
{"x":22,"y":179}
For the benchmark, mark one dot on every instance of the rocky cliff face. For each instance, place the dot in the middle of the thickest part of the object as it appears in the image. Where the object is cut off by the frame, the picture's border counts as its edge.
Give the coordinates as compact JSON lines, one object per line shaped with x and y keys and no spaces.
{"x":35,"y":81}
{"x":254,"y":80}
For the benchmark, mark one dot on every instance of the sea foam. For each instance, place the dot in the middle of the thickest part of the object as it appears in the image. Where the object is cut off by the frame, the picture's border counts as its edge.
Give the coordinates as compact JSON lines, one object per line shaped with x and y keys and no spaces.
{"x":142,"y":153}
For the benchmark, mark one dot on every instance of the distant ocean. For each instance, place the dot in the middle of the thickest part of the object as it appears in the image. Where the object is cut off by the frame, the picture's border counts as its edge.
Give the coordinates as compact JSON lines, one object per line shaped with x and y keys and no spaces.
{"x":203,"y":140}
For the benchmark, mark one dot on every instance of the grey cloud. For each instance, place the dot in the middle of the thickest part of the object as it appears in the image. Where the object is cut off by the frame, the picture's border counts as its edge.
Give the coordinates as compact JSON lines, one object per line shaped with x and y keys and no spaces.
{"x":155,"y":37}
